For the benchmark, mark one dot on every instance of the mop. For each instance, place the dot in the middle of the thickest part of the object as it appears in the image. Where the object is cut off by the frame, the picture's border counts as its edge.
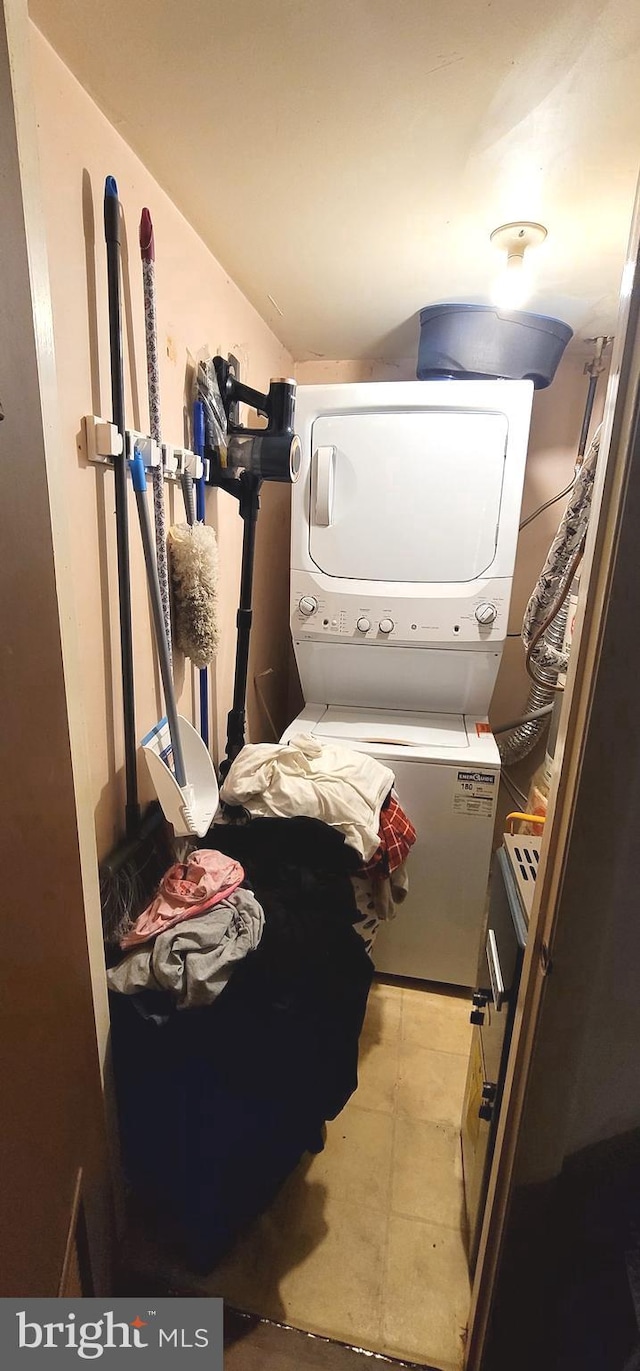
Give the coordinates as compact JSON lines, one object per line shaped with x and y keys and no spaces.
{"x":148,"y":255}
{"x":177,"y":759}
{"x":193,"y":547}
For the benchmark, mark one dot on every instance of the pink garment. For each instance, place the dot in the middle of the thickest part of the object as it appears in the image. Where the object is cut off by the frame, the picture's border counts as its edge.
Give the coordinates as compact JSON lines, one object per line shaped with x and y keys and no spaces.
{"x":186,"y":890}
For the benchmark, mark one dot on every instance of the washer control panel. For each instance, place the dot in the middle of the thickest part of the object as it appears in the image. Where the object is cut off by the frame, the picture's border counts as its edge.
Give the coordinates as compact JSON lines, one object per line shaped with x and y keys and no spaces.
{"x":479,"y":617}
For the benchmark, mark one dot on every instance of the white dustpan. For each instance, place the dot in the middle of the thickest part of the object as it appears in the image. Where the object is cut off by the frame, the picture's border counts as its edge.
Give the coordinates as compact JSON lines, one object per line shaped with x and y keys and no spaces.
{"x":173,"y":749}
{"x":189,"y":808}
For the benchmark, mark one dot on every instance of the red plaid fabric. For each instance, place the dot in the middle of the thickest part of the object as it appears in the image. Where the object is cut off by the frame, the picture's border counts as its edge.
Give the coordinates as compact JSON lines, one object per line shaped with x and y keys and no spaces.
{"x":397,"y":836}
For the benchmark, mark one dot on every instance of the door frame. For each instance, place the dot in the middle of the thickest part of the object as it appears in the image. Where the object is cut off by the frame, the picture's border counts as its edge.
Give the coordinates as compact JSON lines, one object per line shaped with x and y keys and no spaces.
{"x":608,"y":563}
{"x":59,"y":1026}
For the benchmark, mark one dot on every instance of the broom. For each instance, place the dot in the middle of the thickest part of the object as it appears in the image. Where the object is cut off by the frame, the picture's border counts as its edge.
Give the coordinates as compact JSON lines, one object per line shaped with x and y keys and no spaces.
{"x":131,"y":874}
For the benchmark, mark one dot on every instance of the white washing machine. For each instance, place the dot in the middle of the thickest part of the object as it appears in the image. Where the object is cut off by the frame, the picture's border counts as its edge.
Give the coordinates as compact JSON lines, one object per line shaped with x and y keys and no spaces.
{"x":447,"y":771}
{"x":404,"y":529}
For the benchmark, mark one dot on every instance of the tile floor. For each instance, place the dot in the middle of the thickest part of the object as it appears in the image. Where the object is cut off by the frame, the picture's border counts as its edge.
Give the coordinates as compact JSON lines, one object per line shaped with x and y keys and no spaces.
{"x":365,"y":1241}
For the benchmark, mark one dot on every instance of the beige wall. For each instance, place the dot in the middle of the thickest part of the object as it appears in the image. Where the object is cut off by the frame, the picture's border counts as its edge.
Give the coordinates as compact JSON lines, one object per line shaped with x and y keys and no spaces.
{"x":198,"y":305}
{"x":324,"y":373}
{"x":555,"y":430}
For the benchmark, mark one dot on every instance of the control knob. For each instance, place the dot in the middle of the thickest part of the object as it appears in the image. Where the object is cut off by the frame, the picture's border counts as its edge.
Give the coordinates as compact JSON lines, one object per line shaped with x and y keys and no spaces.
{"x":486,"y":613}
{"x":307,"y":605}
{"x":363,"y":625}
{"x":386,"y":625}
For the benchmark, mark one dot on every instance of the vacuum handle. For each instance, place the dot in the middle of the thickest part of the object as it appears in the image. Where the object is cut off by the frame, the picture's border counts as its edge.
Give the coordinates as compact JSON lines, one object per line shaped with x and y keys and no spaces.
{"x":139,"y":479}
{"x":324,"y":465}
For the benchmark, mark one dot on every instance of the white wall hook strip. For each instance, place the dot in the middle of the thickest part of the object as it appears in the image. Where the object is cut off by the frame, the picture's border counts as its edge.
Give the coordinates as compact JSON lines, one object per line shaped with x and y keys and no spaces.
{"x":147,"y":446}
{"x":169,"y":461}
{"x":192,"y":464}
{"x":103,"y":443}
{"x":102,"y":440}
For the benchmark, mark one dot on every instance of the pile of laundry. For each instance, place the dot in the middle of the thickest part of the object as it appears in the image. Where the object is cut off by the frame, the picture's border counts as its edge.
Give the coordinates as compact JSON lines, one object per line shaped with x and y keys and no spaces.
{"x":240,"y":995}
{"x":199,"y":925}
{"x":347,"y":790}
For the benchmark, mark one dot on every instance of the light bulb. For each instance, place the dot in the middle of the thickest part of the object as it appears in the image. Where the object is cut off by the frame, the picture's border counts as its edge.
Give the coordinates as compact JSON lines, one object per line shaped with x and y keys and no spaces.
{"x":513,"y":285}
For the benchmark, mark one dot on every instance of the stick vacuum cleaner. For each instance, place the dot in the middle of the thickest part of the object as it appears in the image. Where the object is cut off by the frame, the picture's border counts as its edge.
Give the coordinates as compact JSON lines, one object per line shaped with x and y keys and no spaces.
{"x":251,"y":456}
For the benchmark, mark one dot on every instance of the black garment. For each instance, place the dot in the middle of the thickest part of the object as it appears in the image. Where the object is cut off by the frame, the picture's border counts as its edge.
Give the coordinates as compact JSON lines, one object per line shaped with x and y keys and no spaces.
{"x":271,"y":847}
{"x":292,"y":1013}
{"x":218,"y":1104}
{"x":204,"y":1157}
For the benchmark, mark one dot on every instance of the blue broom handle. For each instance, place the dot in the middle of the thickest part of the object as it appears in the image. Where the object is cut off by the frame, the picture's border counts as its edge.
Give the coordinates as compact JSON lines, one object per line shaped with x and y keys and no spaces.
{"x":138,"y":476}
{"x":198,"y":444}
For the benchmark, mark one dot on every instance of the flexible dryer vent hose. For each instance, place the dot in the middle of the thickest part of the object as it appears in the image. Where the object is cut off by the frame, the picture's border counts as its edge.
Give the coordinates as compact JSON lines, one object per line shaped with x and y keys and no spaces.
{"x":546,"y":655}
{"x":518,"y":744}
{"x":546,"y":658}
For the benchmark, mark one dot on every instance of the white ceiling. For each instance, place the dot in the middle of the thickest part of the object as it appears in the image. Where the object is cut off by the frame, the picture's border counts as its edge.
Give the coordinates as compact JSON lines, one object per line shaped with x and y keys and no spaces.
{"x":349,"y":158}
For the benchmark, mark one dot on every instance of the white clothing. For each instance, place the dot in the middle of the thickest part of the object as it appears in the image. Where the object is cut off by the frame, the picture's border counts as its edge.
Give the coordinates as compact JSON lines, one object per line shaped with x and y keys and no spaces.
{"x":306,"y":778}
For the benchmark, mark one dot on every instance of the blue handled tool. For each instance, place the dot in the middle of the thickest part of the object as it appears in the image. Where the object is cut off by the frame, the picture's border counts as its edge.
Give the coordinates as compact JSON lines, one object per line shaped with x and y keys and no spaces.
{"x":139,"y":480}
{"x":198,"y":447}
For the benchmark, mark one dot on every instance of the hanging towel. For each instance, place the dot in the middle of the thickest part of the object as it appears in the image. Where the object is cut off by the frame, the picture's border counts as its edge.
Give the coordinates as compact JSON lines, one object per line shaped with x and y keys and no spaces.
{"x":343,"y":789}
{"x":397,"y":836}
{"x":194,"y":960}
{"x":186,"y":890}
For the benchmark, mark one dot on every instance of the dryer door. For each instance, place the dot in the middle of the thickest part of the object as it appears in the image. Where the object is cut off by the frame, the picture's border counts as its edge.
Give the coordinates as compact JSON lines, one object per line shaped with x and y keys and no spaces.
{"x":406,"y":495}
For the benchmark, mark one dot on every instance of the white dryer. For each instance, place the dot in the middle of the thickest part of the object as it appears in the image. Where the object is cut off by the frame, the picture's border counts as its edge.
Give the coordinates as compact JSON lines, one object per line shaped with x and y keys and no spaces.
{"x":404,"y":530}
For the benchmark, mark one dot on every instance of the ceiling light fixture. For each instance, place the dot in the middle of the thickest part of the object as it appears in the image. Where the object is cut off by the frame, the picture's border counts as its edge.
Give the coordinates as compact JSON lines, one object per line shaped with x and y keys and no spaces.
{"x":514,"y":285}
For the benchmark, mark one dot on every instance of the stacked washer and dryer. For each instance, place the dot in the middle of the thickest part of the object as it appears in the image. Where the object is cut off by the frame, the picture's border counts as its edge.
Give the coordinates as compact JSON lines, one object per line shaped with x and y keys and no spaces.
{"x":404,"y":530}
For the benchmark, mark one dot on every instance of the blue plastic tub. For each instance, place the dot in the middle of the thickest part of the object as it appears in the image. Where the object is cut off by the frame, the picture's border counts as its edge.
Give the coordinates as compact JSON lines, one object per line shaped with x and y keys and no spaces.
{"x":478,"y":342}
